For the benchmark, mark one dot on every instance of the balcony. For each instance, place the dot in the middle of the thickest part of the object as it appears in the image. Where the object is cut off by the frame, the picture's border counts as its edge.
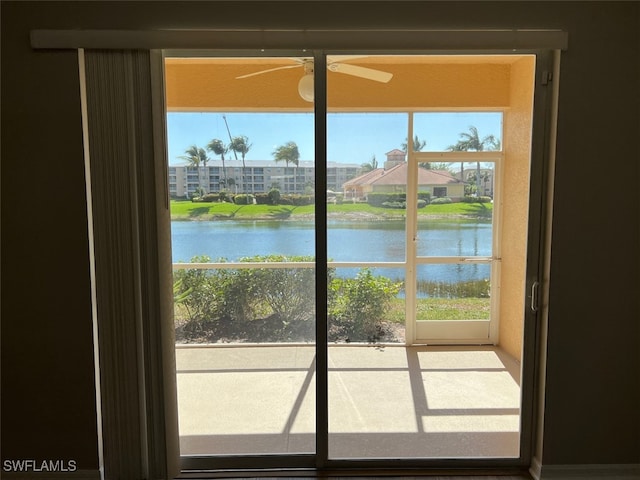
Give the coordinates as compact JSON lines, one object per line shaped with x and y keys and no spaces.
{"x":385,"y":401}
{"x":247,"y":386}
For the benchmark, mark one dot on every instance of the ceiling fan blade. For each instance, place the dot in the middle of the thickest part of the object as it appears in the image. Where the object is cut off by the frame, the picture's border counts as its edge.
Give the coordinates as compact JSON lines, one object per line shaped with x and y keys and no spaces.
{"x":369,"y":73}
{"x":343,"y":58}
{"x":269,"y":70}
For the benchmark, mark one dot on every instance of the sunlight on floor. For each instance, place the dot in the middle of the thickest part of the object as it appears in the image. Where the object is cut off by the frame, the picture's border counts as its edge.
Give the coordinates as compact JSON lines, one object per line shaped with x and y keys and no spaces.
{"x":384,"y":402}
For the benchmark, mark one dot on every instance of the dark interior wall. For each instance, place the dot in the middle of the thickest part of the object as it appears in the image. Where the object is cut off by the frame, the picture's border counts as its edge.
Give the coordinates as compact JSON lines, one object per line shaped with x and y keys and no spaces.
{"x":593,"y":378}
{"x":593,"y":359}
{"x":48,"y":395}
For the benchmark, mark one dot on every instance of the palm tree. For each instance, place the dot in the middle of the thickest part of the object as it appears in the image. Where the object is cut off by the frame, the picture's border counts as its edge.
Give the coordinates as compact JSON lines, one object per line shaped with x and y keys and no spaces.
{"x":369,"y":166}
{"x":470,"y":141}
{"x":418,"y":145}
{"x":287,"y":153}
{"x":218,"y":147}
{"x":195,"y":156}
{"x":480,"y":186}
{"x":241,"y":145}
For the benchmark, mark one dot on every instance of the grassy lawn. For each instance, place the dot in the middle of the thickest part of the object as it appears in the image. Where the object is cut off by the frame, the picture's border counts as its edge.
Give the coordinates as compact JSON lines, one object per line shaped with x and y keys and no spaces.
{"x":482,"y":210}
{"x":443,"y":309}
{"x":187,"y":210}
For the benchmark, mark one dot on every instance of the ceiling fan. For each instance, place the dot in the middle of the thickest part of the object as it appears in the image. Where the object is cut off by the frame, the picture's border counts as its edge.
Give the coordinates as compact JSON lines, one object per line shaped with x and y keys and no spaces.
{"x":305,"y":85}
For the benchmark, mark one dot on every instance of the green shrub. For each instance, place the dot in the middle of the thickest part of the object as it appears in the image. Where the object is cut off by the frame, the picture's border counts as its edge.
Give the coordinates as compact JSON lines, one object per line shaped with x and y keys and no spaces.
{"x":208,"y":198}
{"x":230,"y":302}
{"x":421,"y":204}
{"x":244,"y":199}
{"x":376,"y":199}
{"x":286,"y":293}
{"x":357,"y":306}
{"x":274,"y":196}
{"x":278,"y":304}
{"x":296,"y":200}
{"x":426,"y":196}
{"x":237,"y":292}
{"x":392,"y":200}
{"x":262,"y":198}
{"x":474,"y":199}
{"x":441,"y":201}
{"x":394,"y":205}
{"x":195,"y":291}
{"x":197,"y":194}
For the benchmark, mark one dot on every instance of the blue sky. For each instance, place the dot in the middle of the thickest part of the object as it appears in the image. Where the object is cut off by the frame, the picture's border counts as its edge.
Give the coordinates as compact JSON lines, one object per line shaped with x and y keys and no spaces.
{"x":352,"y":137}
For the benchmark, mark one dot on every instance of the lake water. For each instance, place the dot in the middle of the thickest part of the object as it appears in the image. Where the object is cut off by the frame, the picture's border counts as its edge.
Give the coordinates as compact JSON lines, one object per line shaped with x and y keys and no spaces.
{"x":366,"y":241}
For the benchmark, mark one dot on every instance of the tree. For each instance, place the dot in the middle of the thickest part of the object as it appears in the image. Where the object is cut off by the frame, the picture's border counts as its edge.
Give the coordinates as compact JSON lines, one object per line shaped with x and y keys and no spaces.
{"x":218,"y":147}
{"x":470,"y":141}
{"x":195,"y":156}
{"x":480,"y":186}
{"x":309,"y":188}
{"x":274,"y":195}
{"x":287,"y":153}
{"x":440,"y":166}
{"x":418,"y":145}
{"x":369,"y":166}
{"x":241,"y":145}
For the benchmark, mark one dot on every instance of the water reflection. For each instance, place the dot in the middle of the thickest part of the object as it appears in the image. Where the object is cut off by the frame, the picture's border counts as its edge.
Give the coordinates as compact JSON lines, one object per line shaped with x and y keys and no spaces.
{"x":365,"y":241}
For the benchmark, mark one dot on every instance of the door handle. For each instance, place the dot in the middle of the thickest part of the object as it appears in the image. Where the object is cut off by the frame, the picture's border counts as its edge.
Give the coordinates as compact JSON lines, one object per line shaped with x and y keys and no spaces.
{"x":534,"y":296}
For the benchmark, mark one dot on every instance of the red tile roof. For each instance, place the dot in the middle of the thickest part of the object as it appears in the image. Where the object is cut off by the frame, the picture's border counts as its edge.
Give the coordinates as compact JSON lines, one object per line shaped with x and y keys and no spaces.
{"x":397,"y":175}
{"x":396,"y":151}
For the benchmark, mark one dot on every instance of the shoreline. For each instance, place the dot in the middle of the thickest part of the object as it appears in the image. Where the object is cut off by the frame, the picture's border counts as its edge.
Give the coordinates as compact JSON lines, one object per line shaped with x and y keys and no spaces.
{"x":345,"y":218}
{"x":339,"y":216}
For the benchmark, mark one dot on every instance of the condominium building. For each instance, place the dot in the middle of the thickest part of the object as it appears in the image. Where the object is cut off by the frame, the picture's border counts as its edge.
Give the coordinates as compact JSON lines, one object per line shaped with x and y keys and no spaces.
{"x":257,"y":176}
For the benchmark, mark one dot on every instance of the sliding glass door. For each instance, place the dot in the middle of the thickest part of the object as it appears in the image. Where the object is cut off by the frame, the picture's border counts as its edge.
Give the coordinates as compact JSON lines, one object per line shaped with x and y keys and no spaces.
{"x":243,"y":244}
{"x":337,"y":243}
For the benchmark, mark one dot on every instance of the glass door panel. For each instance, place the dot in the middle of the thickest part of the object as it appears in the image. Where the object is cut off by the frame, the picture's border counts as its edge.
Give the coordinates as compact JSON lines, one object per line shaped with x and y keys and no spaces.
{"x":454,"y":301}
{"x":366,"y":223}
{"x":459,"y":131}
{"x":413,"y":229}
{"x":467,"y":234}
{"x":366,"y":239}
{"x":243,"y":242}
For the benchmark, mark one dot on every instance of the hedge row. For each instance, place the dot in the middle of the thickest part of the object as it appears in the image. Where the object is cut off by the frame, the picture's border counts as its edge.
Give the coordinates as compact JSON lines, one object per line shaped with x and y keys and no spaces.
{"x":230,"y":302}
{"x":473,"y":199}
{"x":377,"y":199}
{"x":272,"y":198}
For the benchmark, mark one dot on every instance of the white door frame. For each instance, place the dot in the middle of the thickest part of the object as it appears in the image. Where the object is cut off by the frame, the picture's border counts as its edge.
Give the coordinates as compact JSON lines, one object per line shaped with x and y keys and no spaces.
{"x":443,"y":331}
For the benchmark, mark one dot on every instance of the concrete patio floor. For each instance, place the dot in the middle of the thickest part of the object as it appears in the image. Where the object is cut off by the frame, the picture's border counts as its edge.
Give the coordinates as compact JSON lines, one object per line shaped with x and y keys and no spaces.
{"x":384,"y":401}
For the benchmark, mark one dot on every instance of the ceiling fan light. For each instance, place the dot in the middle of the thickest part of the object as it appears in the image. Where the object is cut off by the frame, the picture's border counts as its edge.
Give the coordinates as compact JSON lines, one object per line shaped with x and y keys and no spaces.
{"x":305,"y":87}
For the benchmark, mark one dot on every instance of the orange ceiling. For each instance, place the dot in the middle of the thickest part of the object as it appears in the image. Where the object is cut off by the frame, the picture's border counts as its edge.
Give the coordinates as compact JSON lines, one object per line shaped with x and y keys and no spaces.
{"x":419,"y":82}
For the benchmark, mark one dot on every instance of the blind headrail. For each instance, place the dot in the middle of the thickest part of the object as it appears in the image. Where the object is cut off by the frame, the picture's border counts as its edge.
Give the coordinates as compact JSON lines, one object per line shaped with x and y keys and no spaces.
{"x":328,"y":39}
